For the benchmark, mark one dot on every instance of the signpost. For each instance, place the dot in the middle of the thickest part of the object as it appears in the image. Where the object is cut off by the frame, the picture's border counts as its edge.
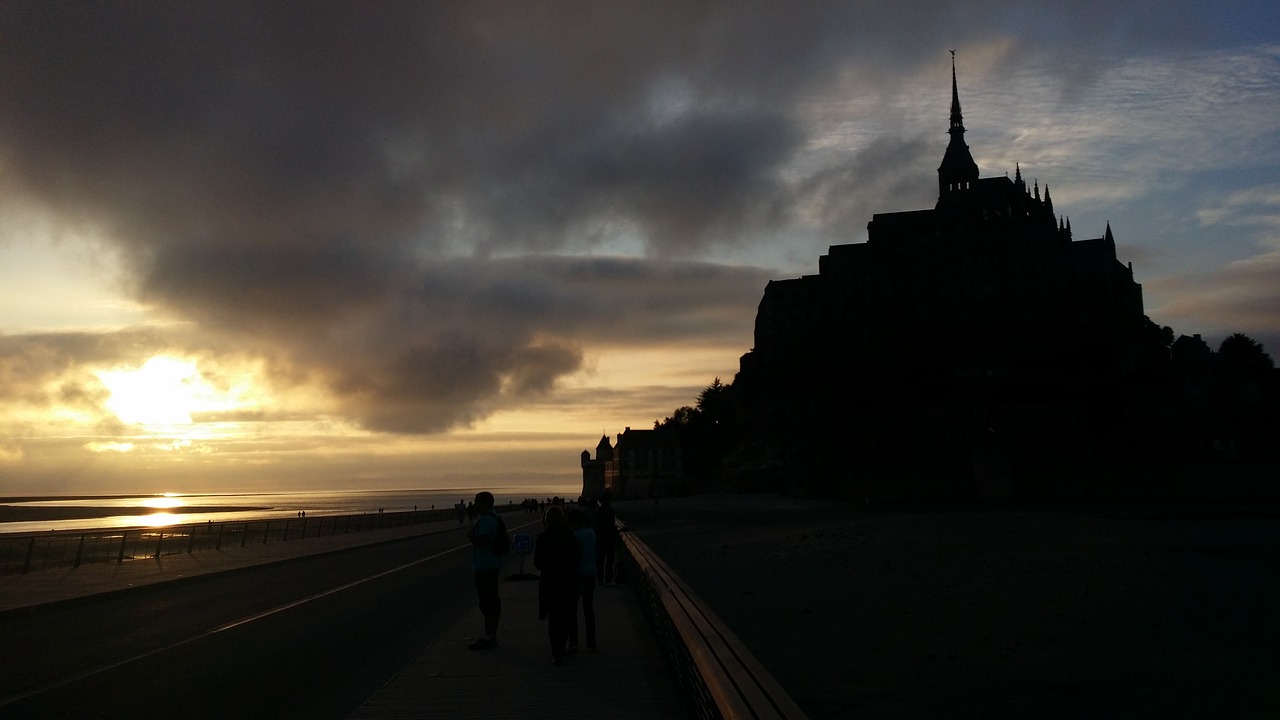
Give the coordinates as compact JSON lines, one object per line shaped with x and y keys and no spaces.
{"x":522,"y":544}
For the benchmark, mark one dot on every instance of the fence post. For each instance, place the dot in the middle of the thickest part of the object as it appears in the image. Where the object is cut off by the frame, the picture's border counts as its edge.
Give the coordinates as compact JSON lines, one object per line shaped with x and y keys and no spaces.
{"x":159,"y":544}
{"x":245,"y":539}
{"x":79,"y":552}
{"x":31,"y":548}
{"x":124,"y":538}
{"x":191,"y":537}
{"x":221,"y":526}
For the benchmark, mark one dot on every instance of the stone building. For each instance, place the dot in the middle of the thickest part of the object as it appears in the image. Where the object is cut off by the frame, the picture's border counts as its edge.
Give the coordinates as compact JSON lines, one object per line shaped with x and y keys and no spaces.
{"x":974,"y":327}
{"x":644,"y":463}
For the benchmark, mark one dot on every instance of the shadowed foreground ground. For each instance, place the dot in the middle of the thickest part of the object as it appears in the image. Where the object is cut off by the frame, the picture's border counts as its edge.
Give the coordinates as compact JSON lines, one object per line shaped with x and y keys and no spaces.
{"x":895,"y":612}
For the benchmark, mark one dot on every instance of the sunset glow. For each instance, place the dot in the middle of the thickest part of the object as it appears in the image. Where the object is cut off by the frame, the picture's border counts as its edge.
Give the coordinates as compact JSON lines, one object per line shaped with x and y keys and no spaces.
{"x":164,"y":391}
{"x":456,"y":248}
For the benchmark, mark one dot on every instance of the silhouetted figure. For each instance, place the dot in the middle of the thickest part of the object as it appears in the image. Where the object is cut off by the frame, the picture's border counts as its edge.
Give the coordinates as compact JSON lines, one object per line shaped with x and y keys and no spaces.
{"x":461,"y":509}
{"x":586,"y":539}
{"x":556,"y":555}
{"x":485,"y":565}
{"x":606,"y":539}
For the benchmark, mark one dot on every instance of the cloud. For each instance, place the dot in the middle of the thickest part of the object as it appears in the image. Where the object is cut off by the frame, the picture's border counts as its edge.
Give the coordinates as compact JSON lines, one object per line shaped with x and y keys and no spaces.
{"x":439,"y":349}
{"x":1239,"y":297}
{"x":470,"y":334}
{"x":46,"y":369}
{"x":101,"y":447}
{"x":408,"y":206}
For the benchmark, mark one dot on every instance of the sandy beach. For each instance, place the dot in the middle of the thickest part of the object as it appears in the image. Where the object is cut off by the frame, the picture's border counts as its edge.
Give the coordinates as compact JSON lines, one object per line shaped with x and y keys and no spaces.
{"x":910,"y":612}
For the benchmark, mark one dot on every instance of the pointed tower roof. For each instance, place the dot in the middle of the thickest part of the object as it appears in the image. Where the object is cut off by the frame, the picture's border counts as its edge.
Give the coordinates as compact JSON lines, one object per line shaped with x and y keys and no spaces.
{"x":957,"y":118}
{"x":604,"y":450}
{"x":957,"y":162}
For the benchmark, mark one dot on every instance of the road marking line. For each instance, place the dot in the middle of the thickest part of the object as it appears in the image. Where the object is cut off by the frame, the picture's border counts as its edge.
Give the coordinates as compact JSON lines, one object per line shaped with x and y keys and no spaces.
{"x":76,"y":677}
{"x":330,"y":591}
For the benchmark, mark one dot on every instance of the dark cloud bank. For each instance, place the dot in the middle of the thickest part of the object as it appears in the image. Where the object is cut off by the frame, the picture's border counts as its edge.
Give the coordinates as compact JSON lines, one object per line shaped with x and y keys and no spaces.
{"x":389,"y":198}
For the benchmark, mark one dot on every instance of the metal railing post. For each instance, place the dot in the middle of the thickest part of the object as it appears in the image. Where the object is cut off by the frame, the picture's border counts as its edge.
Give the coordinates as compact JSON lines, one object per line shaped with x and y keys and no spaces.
{"x":31,"y":548}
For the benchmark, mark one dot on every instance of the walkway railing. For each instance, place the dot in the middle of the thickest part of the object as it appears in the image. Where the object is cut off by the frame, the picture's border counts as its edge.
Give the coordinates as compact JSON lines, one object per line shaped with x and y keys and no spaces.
{"x":28,"y":552}
{"x":721,"y":678}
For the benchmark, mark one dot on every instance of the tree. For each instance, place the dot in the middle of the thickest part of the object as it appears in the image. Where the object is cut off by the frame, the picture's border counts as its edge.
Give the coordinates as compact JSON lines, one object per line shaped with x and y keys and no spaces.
{"x":1244,"y":354}
{"x":706,"y":432}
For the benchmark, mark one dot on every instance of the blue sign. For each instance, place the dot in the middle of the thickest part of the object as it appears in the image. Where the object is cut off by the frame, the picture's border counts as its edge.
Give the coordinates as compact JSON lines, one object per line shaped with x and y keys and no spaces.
{"x":522,"y":543}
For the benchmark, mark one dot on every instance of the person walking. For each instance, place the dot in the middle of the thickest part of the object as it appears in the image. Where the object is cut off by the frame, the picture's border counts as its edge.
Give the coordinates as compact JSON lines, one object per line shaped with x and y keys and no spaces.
{"x":555,"y":553}
{"x":485,"y":565}
{"x":585,"y":537}
{"x":606,"y":539}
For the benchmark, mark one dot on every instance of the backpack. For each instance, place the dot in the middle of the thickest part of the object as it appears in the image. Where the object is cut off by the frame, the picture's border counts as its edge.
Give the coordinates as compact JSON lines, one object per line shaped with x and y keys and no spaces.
{"x":501,"y":540}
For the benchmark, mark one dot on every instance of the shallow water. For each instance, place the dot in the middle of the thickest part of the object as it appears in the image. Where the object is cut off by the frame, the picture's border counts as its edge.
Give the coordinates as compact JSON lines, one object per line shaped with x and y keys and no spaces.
{"x":178,"y":508}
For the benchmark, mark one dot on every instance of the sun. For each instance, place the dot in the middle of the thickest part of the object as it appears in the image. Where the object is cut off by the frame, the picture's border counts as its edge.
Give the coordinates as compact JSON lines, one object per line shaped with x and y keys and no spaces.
{"x":164,"y":391}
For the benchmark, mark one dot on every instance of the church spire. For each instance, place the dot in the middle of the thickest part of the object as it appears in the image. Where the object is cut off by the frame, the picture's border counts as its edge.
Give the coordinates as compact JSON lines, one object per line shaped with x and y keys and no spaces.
{"x":957,"y":120}
{"x":958,"y":172}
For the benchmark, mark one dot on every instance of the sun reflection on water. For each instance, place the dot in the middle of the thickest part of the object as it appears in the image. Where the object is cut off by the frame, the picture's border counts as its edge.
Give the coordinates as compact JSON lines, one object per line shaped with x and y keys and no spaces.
{"x":165,"y":502}
{"x":156,"y":520}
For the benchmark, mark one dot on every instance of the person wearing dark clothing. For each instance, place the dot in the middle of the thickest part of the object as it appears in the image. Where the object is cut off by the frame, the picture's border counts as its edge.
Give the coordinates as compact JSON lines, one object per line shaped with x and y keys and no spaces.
{"x":586,"y":539}
{"x":606,"y":539}
{"x":486,"y":566}
{"x":555,"y":553}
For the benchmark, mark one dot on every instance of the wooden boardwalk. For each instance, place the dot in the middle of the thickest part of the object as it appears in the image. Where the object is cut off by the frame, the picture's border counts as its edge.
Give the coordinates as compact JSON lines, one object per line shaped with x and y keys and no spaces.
{"x":625,"y":678}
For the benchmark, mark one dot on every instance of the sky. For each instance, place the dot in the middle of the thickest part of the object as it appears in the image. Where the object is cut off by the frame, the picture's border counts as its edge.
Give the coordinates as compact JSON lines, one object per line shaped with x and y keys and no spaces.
{"x":306,"y":245}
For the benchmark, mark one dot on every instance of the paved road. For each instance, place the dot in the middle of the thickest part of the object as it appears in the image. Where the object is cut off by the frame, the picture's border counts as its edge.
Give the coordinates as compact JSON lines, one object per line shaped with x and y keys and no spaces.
{"x":311,"y":638}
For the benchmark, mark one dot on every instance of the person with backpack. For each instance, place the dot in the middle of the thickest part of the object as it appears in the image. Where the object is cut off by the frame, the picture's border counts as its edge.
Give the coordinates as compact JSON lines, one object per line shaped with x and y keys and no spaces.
{"x":489,"y":542}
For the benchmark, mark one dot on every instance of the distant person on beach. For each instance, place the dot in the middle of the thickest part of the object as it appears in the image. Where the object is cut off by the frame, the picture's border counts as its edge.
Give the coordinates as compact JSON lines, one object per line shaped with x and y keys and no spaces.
{"x":485,"y":565}
{"x":461,"y":509}
{"x":586,"y":540}
{"x":556,"y":555}
{"x":606,"y":539}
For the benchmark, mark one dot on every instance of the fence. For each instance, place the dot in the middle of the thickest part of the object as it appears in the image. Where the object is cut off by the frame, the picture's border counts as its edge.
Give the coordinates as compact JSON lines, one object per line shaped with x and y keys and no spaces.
{"x":23,"y":553}
{"x":719,"y":677}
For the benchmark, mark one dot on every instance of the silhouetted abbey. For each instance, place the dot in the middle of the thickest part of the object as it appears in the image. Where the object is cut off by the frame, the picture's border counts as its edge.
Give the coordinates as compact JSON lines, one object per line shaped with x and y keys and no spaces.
{"x":952,"y":337}
{"x":974,"y":350}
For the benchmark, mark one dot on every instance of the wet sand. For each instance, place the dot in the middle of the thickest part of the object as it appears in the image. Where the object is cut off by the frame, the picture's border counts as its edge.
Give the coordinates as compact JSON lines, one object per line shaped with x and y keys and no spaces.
{"x":901,"y":612}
